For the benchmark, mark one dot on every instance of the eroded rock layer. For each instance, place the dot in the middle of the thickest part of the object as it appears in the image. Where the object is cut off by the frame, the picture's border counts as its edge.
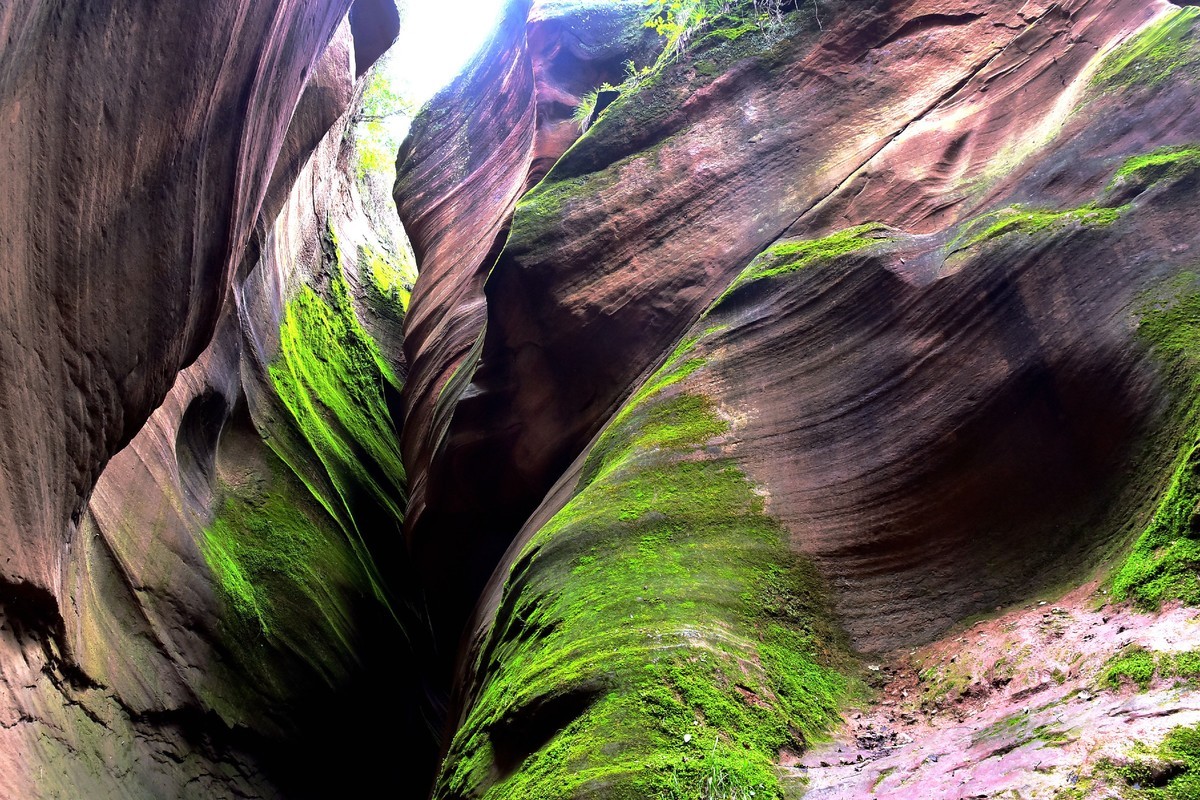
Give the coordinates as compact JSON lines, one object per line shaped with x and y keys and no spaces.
{"x":754,"y":343}
{"x":476,"y":149}
{"x":119,"y":234}
{"x":211,"y":624}
{"x":850,"y":322}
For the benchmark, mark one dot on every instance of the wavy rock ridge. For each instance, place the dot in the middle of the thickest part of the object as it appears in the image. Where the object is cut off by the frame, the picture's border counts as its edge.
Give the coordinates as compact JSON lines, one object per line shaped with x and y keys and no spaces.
{"x":711,"y":422}
{"x":194,"y":600}
{"x":810,"y":315}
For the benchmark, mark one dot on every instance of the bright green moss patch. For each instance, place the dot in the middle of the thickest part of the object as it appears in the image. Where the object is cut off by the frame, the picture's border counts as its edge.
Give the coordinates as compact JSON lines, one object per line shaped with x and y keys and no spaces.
{"x":1133,"y":664}
{"x":390,"y":277}
{"x":787,"y":257}
{"x":1170,"y":771}
{"x":1031,"y":221}
{"x":1149,"y":58}
{"x":330,"y":377}
{"x":1165,"y":558}
{"x":656,"y":638}
{"x":1165,"y":163}
{"x":273,"y":562}
{"x":222,"y":548}
{"x":1182,"y":747}
{"x":1140,"y":667}
{"x":665,"y":425}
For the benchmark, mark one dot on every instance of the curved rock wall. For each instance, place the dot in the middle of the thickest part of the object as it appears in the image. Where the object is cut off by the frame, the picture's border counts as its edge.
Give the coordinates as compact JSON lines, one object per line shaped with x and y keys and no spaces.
{"x":474,"y":151}
{"x":715,"y":157}
{"x":225,"y":598}
{"x":862,"y":303}
{"x":119,"y":235}
{"x":829,"y":332}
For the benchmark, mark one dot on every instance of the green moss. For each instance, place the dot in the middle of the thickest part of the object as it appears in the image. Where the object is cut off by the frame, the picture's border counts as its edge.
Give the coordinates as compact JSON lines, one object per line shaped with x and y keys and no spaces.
{"x":1170,"y":771}
{"x":1164,"y":559}
{"x":945,"y":682}
{"x":270,"y":556}
{"x":1140,"y":667}
{"x":1152,"y":56}
{"x":1003,"y":728}
{"x":1030,"y":221}
{"x":390,"y":277}
{"x":883,"y":775}
{"x":1133,"y":664}
{"x":666,"y":602}
{"x":701,"y":41}
{"x":539,"y":210}
{"x":330,"y":377}
{"x":787,"y":257}
{"x":1052,"y":736}
{"x":1165,"y":163}
{"x":289,"y":581}
{"x":1017,"y":730}
{"x":1182,"y":746}
{"x":1184,"y":665}
{"x":665,"y":425}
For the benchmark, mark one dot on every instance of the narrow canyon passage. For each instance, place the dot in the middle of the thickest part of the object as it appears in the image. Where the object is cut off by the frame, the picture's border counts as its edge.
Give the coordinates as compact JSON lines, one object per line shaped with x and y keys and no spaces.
{"x":570,"y":399}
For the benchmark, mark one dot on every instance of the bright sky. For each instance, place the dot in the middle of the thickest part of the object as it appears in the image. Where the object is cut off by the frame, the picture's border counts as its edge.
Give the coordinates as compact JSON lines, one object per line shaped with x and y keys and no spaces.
{"x":437,"y":38}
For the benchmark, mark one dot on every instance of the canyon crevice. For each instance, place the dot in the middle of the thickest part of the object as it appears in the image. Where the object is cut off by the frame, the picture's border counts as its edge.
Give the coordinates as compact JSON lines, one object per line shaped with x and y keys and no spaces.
{"x":743,"y":399}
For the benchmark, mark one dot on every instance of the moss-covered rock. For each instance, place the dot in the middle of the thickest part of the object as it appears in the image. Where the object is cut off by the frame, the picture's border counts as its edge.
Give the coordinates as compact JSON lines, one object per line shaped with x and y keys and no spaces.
{"x":657,"y":637}
{"x":332,"y":380}
{"x":789,"y":256}
{"x":1165,"y":47}
{"x":1165,"y":557}
{"x":1140,"y":666}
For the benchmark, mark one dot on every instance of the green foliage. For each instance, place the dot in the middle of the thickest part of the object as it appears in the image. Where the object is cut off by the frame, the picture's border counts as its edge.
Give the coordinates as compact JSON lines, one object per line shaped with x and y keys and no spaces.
{"x":664,"y":595}
{"x":583,"y":111}
{"x":1140,"y":666}
{"x":330,"y":377}
{"x":677,"y":21}
{"x":379,"y":124}
{"x":587,"y":104}
{"x":1152,"y":56}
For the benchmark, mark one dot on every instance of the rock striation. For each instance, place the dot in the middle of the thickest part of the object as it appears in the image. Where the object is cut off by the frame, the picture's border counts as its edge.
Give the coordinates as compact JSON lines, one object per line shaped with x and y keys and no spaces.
{"x":796,"y":399}
{"x":190,"y":602}
{"x":828,"y":334}
{"x":476,"y":149}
